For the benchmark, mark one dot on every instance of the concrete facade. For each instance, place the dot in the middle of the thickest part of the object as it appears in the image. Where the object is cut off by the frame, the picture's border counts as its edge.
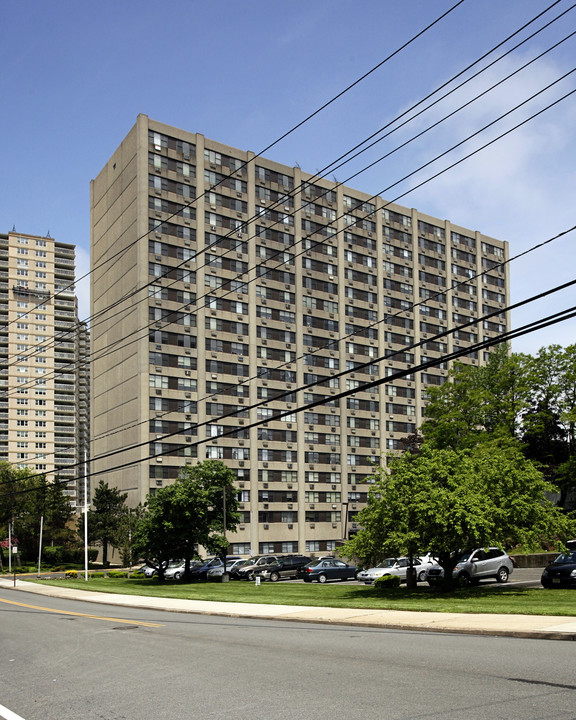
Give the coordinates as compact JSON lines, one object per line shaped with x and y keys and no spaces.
{"x":220,"y":280}
{"x":44,"y":376}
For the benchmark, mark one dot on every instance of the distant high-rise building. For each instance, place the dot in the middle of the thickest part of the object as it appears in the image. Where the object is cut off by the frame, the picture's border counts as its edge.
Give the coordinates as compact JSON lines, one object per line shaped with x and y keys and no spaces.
{"x":221,"y":280}
{"x":44,"y":376}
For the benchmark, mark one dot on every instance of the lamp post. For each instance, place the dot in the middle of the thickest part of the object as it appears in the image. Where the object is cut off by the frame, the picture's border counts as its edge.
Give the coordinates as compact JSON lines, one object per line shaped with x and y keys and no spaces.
{"x":224,"y":574}
{"x":345,"y":521}
{"x":85,"y":521}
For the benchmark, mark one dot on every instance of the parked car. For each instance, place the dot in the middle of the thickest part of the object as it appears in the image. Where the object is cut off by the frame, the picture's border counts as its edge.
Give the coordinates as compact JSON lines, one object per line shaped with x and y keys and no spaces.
{"x":326,"y":569}
{"x":284,"y":567}
{"x":235,"y":569}
{"x":398,"y":567}
{"x":201,"y":571}
{"x":149,"y":571}
{"x":218,"y":570}
{"x":176,"y":570}
{"x":561,"y":572}
{"x":475,"y":565}
{"x":246,"y":572}
{"x":386,"y":563}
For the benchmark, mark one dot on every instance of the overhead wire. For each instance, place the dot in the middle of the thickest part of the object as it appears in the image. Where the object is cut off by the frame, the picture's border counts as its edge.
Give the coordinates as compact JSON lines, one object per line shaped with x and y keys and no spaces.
{"x":533,"y":326}
{"x":332,"y":166}
{"x":391,"y":201}
{"x":388,"y":314}
{"x":302,"y":241}
{"x":357,"y":368}
{"x":291,"y":130}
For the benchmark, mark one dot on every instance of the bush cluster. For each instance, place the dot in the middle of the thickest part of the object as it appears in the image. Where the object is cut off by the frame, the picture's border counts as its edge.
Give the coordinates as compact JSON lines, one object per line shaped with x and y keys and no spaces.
{"x":387,"y":581}
{"x":59,"y":555}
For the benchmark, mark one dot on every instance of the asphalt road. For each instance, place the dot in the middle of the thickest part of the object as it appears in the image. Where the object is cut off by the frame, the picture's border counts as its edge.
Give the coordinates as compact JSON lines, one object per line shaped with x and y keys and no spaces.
{"x":64,"y":660}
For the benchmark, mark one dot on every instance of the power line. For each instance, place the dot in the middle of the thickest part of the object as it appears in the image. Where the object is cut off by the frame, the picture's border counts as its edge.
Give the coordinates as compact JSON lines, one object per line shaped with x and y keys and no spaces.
{"x":358,"y":368}
{"x":331,"y":166}
{"x":114,"y":347}
{"x":447,"y":151}
{"x":286,"y":134}
{"x":180,"y":432}
{"x":533,"y":326}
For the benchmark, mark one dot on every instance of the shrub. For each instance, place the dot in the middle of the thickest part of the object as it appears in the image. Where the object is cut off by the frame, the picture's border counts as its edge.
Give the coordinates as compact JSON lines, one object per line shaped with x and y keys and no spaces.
{"x":72,"y":574}
{"x":117,"y":573}
{"x":97,"y":575}
{"x":58,"y":555}
{"x":387,"y":581}
{"x":53,"y":555}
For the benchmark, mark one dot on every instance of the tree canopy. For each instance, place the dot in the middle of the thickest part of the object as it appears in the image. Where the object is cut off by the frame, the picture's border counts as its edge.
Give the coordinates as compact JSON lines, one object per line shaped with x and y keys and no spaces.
{"x":25,"y":499}
{"x":445,"y":500}
{"x":531,"y":399}
{"x":105,"y":518}
{"x":186,"y":514}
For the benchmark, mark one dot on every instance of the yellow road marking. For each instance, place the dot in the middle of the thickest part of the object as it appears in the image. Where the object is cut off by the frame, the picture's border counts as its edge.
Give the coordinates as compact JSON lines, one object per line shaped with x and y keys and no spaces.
{"x":77,"y":614}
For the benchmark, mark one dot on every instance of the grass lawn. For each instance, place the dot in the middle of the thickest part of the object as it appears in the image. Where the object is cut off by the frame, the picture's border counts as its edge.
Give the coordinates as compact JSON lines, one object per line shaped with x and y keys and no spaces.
{"x":507,"y":600}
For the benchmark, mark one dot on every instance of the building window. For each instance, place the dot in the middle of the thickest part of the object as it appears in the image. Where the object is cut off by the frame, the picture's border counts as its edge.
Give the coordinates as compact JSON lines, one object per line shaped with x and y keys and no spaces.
{"x":241,"y":548}
{"x":158,"y":381}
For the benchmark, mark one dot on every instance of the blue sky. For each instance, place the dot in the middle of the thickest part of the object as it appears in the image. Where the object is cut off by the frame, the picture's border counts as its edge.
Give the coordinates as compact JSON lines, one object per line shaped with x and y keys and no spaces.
{"x":74,"y":76}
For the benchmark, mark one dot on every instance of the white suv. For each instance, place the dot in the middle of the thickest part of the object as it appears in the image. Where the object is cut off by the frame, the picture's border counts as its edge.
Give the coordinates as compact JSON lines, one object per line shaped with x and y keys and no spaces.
{"x":475,"y":565}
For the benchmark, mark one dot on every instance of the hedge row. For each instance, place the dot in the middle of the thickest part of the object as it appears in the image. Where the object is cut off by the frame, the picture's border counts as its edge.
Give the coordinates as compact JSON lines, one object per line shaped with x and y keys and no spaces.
{"x":58,"y":555}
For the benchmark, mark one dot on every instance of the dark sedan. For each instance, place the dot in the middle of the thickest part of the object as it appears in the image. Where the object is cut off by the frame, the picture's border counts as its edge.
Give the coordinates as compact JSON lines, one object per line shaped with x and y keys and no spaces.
{"x":561,"y":572}
{"x":327,"y":569}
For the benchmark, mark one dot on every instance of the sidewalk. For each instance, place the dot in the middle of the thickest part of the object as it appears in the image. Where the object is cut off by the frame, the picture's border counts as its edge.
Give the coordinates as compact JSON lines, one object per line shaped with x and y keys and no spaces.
{"x":527,"y":626}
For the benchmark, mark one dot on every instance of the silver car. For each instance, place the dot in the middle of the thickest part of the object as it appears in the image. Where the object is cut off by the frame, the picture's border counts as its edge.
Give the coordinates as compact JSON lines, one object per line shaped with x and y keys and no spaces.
{"x":218,"y":570}
{"x":398,"y":567}
{"x":475,"y":565}
{"x":176,"y":569}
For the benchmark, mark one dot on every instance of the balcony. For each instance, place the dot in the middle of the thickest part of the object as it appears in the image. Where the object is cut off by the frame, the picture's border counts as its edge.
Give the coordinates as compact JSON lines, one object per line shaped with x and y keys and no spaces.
{"x":25,"y":290}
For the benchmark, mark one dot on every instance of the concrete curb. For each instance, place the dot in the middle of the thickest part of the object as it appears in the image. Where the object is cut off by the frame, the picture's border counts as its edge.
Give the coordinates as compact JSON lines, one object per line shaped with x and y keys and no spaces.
{"x":520,"y":626}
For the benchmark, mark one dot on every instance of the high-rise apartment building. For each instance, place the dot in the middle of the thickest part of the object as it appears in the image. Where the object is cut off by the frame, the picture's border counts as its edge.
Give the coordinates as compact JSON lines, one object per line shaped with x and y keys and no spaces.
{"x":44,"y":376}
{"x":221,"y":280}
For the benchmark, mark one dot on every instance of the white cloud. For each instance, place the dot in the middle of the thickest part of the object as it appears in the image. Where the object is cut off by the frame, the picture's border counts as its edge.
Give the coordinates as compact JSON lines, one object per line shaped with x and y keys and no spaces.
{"x":519,"y":189}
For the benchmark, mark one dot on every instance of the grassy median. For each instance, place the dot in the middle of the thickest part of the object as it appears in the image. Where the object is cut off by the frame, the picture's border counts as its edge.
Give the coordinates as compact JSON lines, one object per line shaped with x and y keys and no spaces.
{"x":507,"y":600}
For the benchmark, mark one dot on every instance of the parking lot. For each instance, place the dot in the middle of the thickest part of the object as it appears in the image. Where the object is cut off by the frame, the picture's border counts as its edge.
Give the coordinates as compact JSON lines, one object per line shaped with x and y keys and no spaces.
{"x":526,"y":577}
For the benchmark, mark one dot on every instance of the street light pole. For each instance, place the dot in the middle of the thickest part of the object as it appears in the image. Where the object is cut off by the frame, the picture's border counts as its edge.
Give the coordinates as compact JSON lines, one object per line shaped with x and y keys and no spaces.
{"x":85,"y":521}
{"x":345,"y":521}
{"x":224,"y":523}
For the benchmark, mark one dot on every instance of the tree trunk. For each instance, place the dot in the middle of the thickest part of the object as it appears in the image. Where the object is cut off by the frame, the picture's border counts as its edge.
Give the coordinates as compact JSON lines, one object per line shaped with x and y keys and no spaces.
{"x":411,"y":578}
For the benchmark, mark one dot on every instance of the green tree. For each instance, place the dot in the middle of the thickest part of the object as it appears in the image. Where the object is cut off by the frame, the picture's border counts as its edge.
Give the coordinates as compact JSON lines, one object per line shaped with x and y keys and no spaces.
{"x":105,"y":518}
{"x":25,"y":498}
{"x":128,"y":524}
{"x":445,"y":500}
{"x":478,"y":402}
{"x":186,"y":514}
{"x":549,"y":423}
